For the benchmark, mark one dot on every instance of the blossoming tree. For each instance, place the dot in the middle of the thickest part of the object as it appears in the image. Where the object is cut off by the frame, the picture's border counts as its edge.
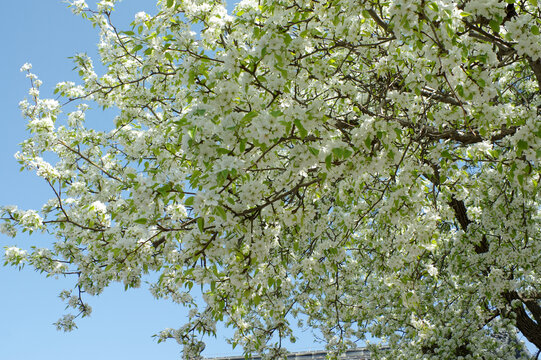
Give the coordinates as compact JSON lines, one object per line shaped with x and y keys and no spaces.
{"x":366,"y":168}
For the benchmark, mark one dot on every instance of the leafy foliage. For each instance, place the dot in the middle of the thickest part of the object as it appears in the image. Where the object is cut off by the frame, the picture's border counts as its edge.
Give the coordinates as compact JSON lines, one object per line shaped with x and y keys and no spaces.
{"x":364,"y":167}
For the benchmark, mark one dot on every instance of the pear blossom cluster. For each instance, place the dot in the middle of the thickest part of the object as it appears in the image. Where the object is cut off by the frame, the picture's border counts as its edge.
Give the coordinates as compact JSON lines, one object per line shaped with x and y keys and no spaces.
{"x":364,"y":169}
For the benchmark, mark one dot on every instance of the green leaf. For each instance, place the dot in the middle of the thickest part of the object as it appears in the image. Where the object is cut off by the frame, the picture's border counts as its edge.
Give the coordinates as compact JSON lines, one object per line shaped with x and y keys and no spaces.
{"x":338,"y":152}
{"x":221,"y":177}
{"x":257,"y":300}
{"x":189,"y":201}
{"x":276,"y":113}
{"x":170,"y":3}
{"x":220,"y":211}
{"x":250,"y":115}
{"x":137,"y":48}
{"x":494,"y":25}
{"x":481,"y":82}
{"x":521,"y":146}
{"x":302,"y":130}
{"x":460,"y":90}
{"x":201,"y":224}
{"x":328,"y":161}
{"x":535,"y":30}
{"x":141,"y":221}
{"x":346,"y":153}
{"x":287,"y":38}
{"x":163,"y":190}
{"x":368,"y":142}
{"x":242,"y":145}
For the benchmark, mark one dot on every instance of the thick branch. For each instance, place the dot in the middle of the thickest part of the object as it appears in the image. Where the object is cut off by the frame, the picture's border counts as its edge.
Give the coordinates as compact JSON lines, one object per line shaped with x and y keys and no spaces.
{"x":460,"y":213}
{"x":529,"y":328}
{"x":452,"y":134}
{"x":534,"y":308}
{"x":462,"y":218}
{"x":378,"y":21}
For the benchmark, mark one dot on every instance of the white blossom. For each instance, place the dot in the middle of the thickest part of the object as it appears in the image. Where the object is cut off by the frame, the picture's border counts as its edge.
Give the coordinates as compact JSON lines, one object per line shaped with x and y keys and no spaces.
{"x":26,"y":67}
